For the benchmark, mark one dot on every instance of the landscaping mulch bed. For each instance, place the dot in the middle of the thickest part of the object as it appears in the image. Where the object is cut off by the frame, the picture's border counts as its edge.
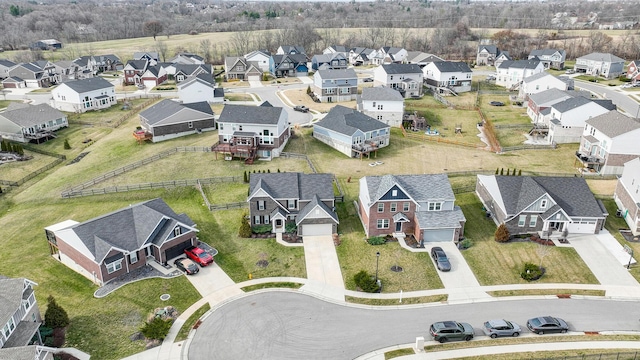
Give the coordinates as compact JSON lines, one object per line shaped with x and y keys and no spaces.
{"x":145,"y":272}
{"x":412,"y":242}
{"x":628,"y":235}
{"x":78,"y":158}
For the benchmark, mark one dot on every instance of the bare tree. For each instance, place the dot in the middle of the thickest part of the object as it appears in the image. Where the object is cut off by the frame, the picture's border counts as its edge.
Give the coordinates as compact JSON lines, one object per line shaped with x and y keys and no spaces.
{"x":543,"y":251}
{"x":162,"y":49}
{"x":205,"y":50}
{"x":598,"y":41}
{"x":153,"y":28}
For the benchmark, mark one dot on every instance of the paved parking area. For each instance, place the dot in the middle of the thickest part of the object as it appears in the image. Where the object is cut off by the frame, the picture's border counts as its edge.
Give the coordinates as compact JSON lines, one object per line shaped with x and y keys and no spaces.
{"x":323,"y":268}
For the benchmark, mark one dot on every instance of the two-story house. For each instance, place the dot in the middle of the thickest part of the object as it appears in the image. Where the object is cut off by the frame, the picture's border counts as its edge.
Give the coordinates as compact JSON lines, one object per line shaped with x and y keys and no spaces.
{"x":250,"y":132}
{"x":30,"y":123}
{"x":605,"y":65}
{"x":290,"y":50}
{"x":633,"y":71}
{"x":38,"y":74}
{"x":383,"y":104}
{"x":418,"y":205}
{"x":87,"y":67}
{"x":108,"y":62}
{"x":421,"y":58}
{"x":133,"y":70}
{"x":333,"y":61}
{"x":538,"y":104}
{"x":445,"y":77}
{"x":336,"y":49}
{"x":543,"y":81}
{"x":390,"y":55}
{"x":608,"y":141}
{"x":200,"y":88}
{"x":627,"y":195}
{"x":486,"y":55}
{"x":406,"y":78}
{"x":19,"y":314}
{"x":84,"y":95}
{"x":335,"y":85}
{"x":183,"y":71}
{"x":567,"y":119}
{"x":361,"y":56}
{"x":152,"y":57}
{"x":541,"y":205}
{"x":259,"y":58}
{"x":284,"y":199}
{"x":238,"y":68}
{"x":5,"y":65}
{"x":115,"y":244}
{"x":289,"y":65}
{"x":351,"y":132}
{"x":550,"y":58}
{"x":511,"y":73}
{"x":187,"y":59}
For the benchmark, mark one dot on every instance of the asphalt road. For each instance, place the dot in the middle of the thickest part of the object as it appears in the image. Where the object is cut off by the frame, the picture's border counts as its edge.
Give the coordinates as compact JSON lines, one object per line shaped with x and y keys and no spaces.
{"x":268,"y":93}
{"x":287,"y":325}
{"x":622,"y":101}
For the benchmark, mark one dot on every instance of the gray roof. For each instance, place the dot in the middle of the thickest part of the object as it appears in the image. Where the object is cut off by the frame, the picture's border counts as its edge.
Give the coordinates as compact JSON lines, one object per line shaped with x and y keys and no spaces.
{"x":246,"y":114}
{"x":339,"y":48}
{"x":140,"y":54}
{"x":492,"y":49}
{"x":542,"y":52}
{"x":605,"y":103}
{"x":338,"y":74}
{"x":315,"y":201}
{"x":25,"y":115}
{"x":421,"y":187}
{"x":295,"y":58}
{"x":601,"y":57}
{"x":572,"y":194}
{"x":19,"y":353}
{"x":91,"y":84}
{"x":402,"y":68}
{"x":570,"y":104}
{"x":381,"y":93}
{"x":293,"y":185}
{"x":614,"y":123}
{"x":138,"y":64}
{"x":7,"y":63}
{"x":288,"y":49}
{"x":452,"y":66}
{"x":537,"y":76}
{"x":204,"y":78}
{"x":520,"y":64}
{"x":169,"y":111}
{"x":546,"y":96}
{"x":189,"y":69}
{"x":348,"y":121}
{"x":10,"y":297}
{"x":129,"y":228}
{"x":446,"y":219}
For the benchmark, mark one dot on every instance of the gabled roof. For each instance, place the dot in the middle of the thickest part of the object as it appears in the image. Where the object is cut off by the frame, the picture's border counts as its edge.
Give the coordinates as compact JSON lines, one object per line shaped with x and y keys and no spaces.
{"x":189,"y":69}
{"x":255,"y":52}
{"x":348,"y":121}
{"x":452,"y":66}
{"x":25,"y":115}
{"x":419,"y":57}
{"x":11,"y":291}
{"x":246,"y":114}
{"x":137,"y":64}
{"x":614,"y":123}
{"x":420,"y":188}
{"x":83,"y":60}
{"x":391,"y":50}
{"x":538,"y":76}
{"x":446,"y":219}
{"x":519,"y":64}
{"x":325,"y":58}
{"x":338,"y":48}
{"x":337,"y":74}
{"x":546,"y":96}
{"x":545,"y":52}
{"x":292,"y":49}
{"x":29,"y":352}
{"x":168,"y":112}
{"x":154,"y":70}
{"x":113,"y":58}
{"x":295,"y":58}
{"x":402,"y":69}
{"x":91,"y":84}
{"x":570,"y":104}
{"x":315,"y":202}
{"x":606,"y":57}
{"x":381,"y":93}
{"x":231,"y":61}
{"x":7,"y":63}
{"x":151,"y":54}
{"x":492,"y":49}
{"x":293,"y":185}
{"x":203,"y":78}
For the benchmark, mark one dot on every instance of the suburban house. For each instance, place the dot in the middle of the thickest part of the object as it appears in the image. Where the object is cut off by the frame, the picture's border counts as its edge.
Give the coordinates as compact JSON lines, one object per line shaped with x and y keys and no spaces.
{"x":361,"y":56}
{"x":421,"y":58}
{"x":48,"y":44}
{"x":34,"y":352}
{"x":406,"y":78}
{"x":351,"y":132}
{"x":200,"y":88}
{"x":251,"y":132}
{"x":329,"y":61}
{"x":259,"y":58}
{"x":87,"y":67}
{"x":543,"y":81}
{"x":605,"y":65}
{"x":608,"y":142}
{"x":633,"y":71}
{"x":187,"y":59}
{"x":108,"y":62}
{"x":290,"y":50}
{"x":151,"y":57}
{"x":169,"y":119}
{"x":502,"y":57}
{"x":568,"y":118}
{"x":446,"y":77}
{"x":294,"y":64}
{"x":383,"y":104}
{"x":550,"y":58}
{"x":390,"y":55}
{"x":238,"y":68}
{"x":38,"y":74}
{"x":19,"y":314}
{"x":335,"y":85}
{"x":541,"y":101}
{"x":67,"y":70}
{"x":133,"y":70}
{"x":26,"y":123}
{"x":183,"y":71}
{"x":114,"y":244}
{"x":336,"y":49}
{"x":541,"y":205}
{"x":84,"y":95}
{"x":5,"y":65}
{"x":418,"y":205}
{"x":627,"y":195}
{"x":486,"y":55}
{"x":153,"y":76}
{"x":511,"y":73}
{"x":306,"y":200}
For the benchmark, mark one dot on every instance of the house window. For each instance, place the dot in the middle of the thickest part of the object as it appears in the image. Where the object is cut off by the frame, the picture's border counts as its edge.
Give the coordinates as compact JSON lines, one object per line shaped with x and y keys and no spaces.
{"x":533,"y":220}
{"x":114,"y":266}
{"x":177,"y":231}
{"x":190,"y":123}
{"x":435,"y":206}
{"x":374,"y":104}
{"x":221,"y":126}
{"x":405,"y":206}
{"x":266,"y":219}
{"x":8,"y":328}
{"x":291,"y":204}
{"x":261,"y":205}
{"x":380,"y":207}
{"x":393,"y":207}
{"x":256,"y":220}
{"x":379,"y":117}
{"x":543,"y":203}
{"x":383,"y":223}
{"x":380,"y":107}
{"x":133,"y":257}
{"x":522,"y":220}
{"x":394,"y":193}
{"x":239,"y":127}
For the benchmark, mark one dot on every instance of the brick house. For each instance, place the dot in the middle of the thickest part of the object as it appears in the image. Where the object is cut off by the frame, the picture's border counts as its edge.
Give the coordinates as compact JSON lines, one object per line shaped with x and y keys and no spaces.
{"x":633,"y":71}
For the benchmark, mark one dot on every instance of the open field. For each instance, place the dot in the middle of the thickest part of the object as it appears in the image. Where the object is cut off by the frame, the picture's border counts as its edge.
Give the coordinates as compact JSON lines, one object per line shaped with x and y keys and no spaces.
{"x":16,"y":170}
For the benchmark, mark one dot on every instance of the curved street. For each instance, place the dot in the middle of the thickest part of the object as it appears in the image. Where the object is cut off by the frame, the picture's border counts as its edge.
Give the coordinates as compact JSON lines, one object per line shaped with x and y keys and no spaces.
{"x":290,"y":325}
{"x":619,"y":97}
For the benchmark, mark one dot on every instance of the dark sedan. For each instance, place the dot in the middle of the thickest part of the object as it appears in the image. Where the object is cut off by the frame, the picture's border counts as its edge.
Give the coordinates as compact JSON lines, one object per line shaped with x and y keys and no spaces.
{"x":187,"y":265}
{"x":496,"y":103}
{"x":440,"y":258}
{"x":547,"y":324}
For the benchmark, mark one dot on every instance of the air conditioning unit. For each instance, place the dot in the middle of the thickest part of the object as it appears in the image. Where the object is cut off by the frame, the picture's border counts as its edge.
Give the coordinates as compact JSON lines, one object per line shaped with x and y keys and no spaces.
{"x":228,"y":158}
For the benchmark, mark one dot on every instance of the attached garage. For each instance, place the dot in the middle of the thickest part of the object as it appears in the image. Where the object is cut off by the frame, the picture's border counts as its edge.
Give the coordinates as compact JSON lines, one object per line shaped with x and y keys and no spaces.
{"x":176,"y":251}
{"x":149,"y":84}
{"x":439,"y":235}
{"x":253,"y":77}
{"x":582,"y":226}
{"x":317,"y":229}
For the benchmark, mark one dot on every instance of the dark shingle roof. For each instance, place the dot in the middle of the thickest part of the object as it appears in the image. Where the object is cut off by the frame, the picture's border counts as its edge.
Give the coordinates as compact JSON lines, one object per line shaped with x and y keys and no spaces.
{"x":381,"y":93}
{"x":138,"y":64}
{"x":338,"y":74}
{"x":570,"y":104}
{"x":31,"y":115}
{"x":492,"y":49}
{"x":520,"y":64}
{"x":7,"y":63}
{"x":91,"y":84}
{"x":547,"y":52}
{"x":613,"y":123}
{"x":293,"y":185}
{"x":245,"y":114}
{"x":348,"y":121}
{"x":169,"y":111}
{"x":315,"y":201}
{"x":607,"y":57}
{"x":402,"y":68}
{"x":10,"y":297}
{"x":452,"y":66}
{"x":421,"y":187}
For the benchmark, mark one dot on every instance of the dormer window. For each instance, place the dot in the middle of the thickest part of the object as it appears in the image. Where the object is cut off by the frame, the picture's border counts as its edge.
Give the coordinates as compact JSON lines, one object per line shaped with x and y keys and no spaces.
{"x":177,"y":231}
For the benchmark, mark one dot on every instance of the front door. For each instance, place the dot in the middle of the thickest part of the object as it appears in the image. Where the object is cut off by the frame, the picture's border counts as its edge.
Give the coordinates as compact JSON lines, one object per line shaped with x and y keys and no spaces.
{"x":148,"y":252}
{"x":398,"y":226}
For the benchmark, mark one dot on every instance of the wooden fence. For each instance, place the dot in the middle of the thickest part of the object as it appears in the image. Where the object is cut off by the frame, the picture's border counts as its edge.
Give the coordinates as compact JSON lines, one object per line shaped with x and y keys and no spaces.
{"x":288,"y":155}
{"x":59,"y":159}
{"x":528,"y":147}
{"x":229,"y":206}
{"x":438,"y":139}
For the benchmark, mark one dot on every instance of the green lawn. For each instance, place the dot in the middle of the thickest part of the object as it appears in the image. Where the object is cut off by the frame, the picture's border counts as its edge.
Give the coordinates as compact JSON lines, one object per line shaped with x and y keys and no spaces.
{"x":613,"y":225}
{"x":191,"y":321}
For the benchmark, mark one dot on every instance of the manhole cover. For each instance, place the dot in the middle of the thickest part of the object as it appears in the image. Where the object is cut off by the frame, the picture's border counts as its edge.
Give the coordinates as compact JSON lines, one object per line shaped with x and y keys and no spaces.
{"x":165,"y":297}
{"x":396,"y":268}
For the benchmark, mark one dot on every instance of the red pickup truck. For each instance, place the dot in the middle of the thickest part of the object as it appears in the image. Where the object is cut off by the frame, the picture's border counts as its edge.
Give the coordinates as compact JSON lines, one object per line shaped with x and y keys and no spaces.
{"x":199,"y":255}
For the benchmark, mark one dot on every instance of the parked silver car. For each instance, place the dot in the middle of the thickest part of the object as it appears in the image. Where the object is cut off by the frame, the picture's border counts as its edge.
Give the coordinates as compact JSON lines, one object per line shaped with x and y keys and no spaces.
{"x":500,"y":327}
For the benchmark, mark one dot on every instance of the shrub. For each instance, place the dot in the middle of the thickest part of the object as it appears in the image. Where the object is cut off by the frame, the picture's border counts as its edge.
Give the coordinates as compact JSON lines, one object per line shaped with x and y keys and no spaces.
{"x":365,"y":282}
{"x":531,"y":272}
{"x":245,"y":228}
{"x":55,"y":316}
{"x":66,"y":144}
{"x":290,"y":227}
{"x":624,"y":78}
{"x":502,"y":233}
{"x":156,"y":329}
{"x":466,"y":243}
{"x":261,"y":229}
{"x":376,"y":240}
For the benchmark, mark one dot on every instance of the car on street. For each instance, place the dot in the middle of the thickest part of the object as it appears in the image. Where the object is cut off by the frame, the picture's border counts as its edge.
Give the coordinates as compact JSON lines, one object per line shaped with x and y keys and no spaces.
{"x":496,"y":103}
{"x":440,"y":258}
{"x":570,"y":71}
{"x":444,"y":331}
{"x":547,"y":324}
{"x":187,"y":266}
{"x":367,"y":80}
{"x":301,"y":108}
{"x":199,"y":255}
{"x":625,"y":86}
{"x":500,"y":327}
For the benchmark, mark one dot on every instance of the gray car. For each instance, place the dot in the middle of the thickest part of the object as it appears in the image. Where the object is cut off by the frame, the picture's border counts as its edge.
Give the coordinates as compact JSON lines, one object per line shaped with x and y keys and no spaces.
{"x":440,"y":258}
{"x":444,"y":331}
{"x":547,"y":324}
{"x":500,"y":327}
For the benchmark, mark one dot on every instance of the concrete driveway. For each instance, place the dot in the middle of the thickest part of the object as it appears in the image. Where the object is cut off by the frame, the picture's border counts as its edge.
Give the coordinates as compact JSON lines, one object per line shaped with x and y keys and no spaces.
{"x":323,"y":268}
{"x":210,"y":278}
{"x":460,"y":279}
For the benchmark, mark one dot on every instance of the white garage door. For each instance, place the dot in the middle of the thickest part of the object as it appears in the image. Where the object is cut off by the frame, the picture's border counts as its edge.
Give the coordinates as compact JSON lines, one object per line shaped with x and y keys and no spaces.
{"x":316,"y":229}
{"x":438,"y":235}
{"x":254,"y":77}
{"x":582,"y":227}
{"x":149,"y":84}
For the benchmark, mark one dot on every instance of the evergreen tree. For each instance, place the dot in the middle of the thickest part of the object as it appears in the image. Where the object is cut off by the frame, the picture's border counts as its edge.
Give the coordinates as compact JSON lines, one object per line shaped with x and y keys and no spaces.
{"x":497,"y":171}
{"x":55,"y":316}
{"x":502,"y":171}
{"x":520,"y":172}
{"x":502,"y":233}
{"x":514,"y":172}
{"x":66,"y":144}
